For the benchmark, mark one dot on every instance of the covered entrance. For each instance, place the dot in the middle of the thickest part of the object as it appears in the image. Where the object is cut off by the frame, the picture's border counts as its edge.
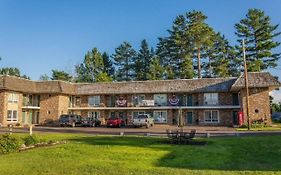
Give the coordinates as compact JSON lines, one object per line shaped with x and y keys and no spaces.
{"x":30,"y":116}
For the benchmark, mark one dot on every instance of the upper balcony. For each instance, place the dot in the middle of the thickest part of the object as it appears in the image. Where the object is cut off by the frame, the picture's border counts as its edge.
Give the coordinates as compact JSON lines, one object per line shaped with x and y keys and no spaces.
{"x":157,"y":101}
{"x":31,"y":101}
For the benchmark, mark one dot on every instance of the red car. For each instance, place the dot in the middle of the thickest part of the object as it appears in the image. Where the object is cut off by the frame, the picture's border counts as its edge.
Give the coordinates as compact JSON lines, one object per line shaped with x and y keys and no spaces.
{"x":114,"y":122}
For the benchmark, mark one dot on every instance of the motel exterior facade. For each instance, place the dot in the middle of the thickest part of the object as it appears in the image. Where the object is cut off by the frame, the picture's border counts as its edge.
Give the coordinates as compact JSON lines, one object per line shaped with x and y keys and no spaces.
{"x":207,"y":101}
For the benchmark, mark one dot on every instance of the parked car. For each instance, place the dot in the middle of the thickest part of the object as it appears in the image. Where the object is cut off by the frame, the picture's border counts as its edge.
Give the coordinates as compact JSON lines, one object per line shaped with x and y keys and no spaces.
{"x":90,"y":122}
{"x":143,"y":120}
{"x":70,"y":120}
{"x":114,"y":122}
{"x":276,"y":116}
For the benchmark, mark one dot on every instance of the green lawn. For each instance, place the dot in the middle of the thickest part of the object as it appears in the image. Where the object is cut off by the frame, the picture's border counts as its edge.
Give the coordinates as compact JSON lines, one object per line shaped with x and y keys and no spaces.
{"x":146,"y":155}
{"x":272,"y":127}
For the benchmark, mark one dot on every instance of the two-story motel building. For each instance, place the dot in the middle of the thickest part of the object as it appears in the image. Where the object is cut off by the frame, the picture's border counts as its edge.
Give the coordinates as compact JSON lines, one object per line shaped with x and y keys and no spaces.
{"x":207,"y":101}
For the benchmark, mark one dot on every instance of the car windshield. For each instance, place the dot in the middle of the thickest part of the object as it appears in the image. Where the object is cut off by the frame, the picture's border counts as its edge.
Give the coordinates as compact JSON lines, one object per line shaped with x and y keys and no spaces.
{"x":64,"y":118}
{"x":142,"y":116}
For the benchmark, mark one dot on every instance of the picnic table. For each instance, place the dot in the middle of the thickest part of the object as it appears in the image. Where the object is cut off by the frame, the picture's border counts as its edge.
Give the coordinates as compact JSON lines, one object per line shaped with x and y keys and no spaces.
{"x":180,"y":137}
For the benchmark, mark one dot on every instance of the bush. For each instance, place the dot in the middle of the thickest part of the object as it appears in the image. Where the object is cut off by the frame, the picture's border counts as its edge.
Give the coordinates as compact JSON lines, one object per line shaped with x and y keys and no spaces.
{"x":9,"y":143}
{"x":30,"y":140}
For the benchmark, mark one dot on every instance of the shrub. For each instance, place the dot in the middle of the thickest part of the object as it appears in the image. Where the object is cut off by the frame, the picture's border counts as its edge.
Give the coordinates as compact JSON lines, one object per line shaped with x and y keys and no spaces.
{"x":9,"y":143}
{"x":30,"y":140}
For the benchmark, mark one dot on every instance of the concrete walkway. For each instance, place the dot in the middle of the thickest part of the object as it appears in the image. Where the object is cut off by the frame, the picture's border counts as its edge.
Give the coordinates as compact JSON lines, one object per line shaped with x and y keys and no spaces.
{"x":157,"y":130}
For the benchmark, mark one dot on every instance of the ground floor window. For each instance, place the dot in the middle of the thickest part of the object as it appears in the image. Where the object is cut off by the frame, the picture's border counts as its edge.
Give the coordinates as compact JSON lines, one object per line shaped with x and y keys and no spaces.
{"x":12,"y":116}
{"x":160,"y":116}
{"x":211,"y":116}
{"x":136,"y":113}
{"x":94,"y":115}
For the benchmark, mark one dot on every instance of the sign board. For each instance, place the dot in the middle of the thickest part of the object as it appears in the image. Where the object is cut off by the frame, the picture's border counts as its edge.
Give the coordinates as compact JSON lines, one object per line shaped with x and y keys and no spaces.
{"x":147,"y":103}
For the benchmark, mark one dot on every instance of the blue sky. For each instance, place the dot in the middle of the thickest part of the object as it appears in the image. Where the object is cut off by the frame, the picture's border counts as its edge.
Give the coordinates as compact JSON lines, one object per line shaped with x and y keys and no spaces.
{"x":38,"y":36}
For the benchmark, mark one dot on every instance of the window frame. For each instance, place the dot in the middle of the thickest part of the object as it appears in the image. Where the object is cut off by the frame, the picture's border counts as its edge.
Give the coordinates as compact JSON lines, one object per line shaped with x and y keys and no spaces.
{"x":96,"y":100}
{"x":154,"y":116}
{"x":212,"y":117}
{"x":12,"y":118}
{"x":13,"y":97}
{"x":155,"y":96}
{"x":212,"y":97}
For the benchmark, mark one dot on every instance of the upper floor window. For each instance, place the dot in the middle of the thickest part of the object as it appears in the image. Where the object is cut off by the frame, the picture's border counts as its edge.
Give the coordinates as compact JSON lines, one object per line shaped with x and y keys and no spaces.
{"x":211,"y":98}
{"x":160,"y":99}
{"x":94,"y":100}
{"x":235,"y":99}
{"x":137,"y":99}
{"x":12,"y":116}
{"x":13,"y":98}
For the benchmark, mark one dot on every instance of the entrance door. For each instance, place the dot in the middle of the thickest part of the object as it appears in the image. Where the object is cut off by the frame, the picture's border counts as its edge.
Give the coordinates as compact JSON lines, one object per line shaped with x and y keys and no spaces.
{"x":189,"y":118}
{"x":235,"y":117}
{"x":30,"y":117}
{"x":24,"y":118}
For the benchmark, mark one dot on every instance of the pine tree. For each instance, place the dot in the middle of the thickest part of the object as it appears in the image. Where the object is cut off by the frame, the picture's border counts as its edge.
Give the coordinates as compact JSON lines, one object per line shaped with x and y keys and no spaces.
{"x":12,"y":71}
{"x":91,"y":68}
{"x":61,"y":75}
{"x":200,"y":36}
{"x":259,"y":35}
{"x":44,"y":77}
{"x":142,"y":61}
{"x":124,"y":56}
{"x":108,"y":65}
{"x":221,"y":55}
{"x":156,"y":71}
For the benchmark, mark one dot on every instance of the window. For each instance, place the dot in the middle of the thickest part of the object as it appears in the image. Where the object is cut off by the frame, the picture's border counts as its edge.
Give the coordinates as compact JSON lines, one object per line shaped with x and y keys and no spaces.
{"x":137,"y":99}
{"x":136,"y":113}
{"x":94,"y":100}
{"x":160,"y":116}
{"x":12,"y":116}
{"x":93,"y":115}
{"x":77,"y":101}
{"x":211,"y":98}
{"x":211,"y":116}
{"x":160,"y":99}
{"x":13,"y":98}
{"x":235,"y":99}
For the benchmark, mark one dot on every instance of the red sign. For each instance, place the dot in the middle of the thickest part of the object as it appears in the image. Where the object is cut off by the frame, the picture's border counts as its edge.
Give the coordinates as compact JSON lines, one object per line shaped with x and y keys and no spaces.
{"x":240,"y":118}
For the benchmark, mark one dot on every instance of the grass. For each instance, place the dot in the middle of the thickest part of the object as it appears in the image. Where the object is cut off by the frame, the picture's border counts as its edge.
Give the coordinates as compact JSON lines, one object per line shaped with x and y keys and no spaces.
{"x":272,"y":127}
{"x":105,"y":155}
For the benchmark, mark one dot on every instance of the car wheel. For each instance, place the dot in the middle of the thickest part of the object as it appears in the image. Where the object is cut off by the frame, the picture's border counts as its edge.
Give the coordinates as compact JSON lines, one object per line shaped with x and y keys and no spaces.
{"x":147,"y":126}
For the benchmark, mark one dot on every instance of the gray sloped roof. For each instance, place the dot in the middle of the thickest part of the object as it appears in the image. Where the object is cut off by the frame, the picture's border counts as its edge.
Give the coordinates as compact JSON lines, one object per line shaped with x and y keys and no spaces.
{"x":256,"y":79}
{"x":261,"y":79}
{"x":162,"y":86}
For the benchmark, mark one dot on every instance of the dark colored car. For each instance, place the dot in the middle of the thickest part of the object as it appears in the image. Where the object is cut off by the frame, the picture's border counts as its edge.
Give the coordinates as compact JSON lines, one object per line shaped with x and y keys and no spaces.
{"x":276,"y":116}
{"x":90,"y":122}
{"x":114,"y":122}
{"x":70,"y":120}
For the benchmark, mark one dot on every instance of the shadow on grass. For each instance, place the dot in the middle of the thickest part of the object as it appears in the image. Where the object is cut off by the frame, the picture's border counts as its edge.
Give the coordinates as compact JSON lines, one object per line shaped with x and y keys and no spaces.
{"x":229,"y":154}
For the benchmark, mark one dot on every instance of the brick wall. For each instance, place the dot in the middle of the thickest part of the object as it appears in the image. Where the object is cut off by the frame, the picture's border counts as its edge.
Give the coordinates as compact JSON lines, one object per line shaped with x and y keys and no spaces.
{"x":259,"y":103}
{"x":3,"y":107}
{"x":52,"y":106}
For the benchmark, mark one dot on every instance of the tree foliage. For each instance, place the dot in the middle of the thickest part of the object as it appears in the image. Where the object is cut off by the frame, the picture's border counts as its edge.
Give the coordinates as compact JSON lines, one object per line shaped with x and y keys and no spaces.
{"x":93,"y":69}
{"x":259,"y":35}
{"x":124,"y":57}
{"x":156,"y":71}
{"x":12,"y":71}
{"x":61,"y":75}
{"x":142,"y":61}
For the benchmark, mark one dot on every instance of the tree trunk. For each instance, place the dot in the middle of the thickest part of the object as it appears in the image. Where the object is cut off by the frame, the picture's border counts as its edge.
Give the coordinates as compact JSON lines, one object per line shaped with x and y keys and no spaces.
{"x":198,"y":62}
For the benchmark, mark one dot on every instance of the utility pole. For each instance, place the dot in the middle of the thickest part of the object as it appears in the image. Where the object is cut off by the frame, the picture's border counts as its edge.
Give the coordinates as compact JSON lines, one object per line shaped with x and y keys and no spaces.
{"x":246,"y":84}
